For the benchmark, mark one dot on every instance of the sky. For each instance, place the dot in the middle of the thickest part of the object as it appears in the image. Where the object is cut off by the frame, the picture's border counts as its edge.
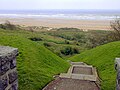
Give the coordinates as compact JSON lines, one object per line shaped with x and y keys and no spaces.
{"x":58,"y":4}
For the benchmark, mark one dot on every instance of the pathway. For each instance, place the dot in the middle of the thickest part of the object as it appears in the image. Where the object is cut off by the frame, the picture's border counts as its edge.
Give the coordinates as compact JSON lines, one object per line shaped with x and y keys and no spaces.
{"x":80,"y":76}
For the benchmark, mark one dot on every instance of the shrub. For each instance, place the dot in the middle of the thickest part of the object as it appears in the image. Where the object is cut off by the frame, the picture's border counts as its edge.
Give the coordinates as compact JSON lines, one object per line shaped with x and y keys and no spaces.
{"x":8,"y":25}
{"x":70,"y":51}
{"x":35,"y":39}
{"x":47,"y":44}
{"x":67,"y":51}
{"x":2,"y":26}
{"x":115,"y":25}
{"x":76,"y":50}
{"x":68,"y":29}
{"x":67,"y":42}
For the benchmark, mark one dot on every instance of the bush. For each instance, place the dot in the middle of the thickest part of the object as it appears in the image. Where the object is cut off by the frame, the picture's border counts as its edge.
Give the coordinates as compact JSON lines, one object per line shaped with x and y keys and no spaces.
{"x":76,"y":50}
{"x":70,"y":51}
{"x":8,"y":25}
{"x":94,"y":39}
{"x":115,"y":25}
{"x":67,"y":42}
{"x":2,"y":26}
{"x":68,"y":29}
{"x":35,"y":39}
{"x":47,"y":45}
{"x":67,"y":51}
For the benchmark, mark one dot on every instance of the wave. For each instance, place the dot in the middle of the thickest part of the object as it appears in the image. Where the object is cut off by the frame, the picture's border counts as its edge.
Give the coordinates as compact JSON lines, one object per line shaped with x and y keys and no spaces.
{"x":64,"y":16}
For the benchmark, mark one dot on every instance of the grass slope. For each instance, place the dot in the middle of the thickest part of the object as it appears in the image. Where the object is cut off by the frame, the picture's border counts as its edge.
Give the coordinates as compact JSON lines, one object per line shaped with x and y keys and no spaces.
{"x":102,"y":57}
{"x":36,"y":65}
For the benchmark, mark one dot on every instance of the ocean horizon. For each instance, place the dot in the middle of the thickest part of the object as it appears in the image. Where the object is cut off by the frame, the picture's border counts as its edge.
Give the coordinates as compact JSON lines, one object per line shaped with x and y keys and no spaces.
{"x":63,"y":14}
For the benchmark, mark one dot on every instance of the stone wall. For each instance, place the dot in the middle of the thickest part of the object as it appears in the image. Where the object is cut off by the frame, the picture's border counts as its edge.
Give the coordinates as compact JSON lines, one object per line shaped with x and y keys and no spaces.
{"x":8,"y":71}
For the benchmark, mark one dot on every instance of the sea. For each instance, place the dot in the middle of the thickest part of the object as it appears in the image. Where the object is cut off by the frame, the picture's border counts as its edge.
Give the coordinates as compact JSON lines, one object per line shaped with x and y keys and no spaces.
{"x":63,"y":14}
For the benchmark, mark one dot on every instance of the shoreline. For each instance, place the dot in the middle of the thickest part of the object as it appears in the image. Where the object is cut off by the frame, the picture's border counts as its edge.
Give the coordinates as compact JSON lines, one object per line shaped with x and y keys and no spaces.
{"x":60,"y":23}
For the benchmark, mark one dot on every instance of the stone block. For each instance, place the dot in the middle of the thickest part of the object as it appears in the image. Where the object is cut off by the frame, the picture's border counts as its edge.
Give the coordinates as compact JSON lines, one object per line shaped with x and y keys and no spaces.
{"x":12,"y":76}
{"x":14,"y":86}
{"x":4,"y":59}
{"x":3,"y":82}
{"x":4,"y":68}
{"x":13,"y":63}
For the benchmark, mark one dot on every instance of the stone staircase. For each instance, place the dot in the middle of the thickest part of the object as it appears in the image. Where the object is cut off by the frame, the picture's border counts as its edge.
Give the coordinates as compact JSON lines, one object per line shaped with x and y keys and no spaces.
{"x":80,"y":76}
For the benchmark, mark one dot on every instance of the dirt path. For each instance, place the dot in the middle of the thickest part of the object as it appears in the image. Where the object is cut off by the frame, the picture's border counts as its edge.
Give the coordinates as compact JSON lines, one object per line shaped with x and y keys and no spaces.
{"x":79,"y":77}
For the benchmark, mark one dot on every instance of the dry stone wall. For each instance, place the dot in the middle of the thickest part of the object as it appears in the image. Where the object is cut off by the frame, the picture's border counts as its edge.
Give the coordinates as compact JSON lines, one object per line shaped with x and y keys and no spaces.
{"x":8,"y":71}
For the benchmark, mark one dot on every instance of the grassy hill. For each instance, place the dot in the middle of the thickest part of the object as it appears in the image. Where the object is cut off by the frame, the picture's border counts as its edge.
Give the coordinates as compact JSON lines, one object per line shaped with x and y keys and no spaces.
{"x":36,"y":65}
{"x":103,"y":58}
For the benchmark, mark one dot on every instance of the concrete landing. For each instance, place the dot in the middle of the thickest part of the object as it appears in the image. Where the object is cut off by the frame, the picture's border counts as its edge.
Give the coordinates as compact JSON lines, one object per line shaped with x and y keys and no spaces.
{"x":80,"y":71}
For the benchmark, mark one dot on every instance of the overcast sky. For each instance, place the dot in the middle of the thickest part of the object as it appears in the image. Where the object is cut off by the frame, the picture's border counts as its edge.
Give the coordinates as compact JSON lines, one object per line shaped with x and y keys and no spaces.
{"x":59,"y":4}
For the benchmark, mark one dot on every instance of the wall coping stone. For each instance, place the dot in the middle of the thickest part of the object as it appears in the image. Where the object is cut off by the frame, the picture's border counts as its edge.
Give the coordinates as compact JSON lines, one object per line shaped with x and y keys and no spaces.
{"x":8,"y":52}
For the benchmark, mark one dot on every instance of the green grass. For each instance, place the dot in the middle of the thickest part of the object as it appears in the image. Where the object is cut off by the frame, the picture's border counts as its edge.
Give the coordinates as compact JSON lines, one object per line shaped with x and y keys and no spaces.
{"x":103,"y":58}
{"x":36,"y":65}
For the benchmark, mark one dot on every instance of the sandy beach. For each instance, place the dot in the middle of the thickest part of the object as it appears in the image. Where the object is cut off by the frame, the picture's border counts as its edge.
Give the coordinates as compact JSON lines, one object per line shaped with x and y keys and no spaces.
{"x":60,"y":23}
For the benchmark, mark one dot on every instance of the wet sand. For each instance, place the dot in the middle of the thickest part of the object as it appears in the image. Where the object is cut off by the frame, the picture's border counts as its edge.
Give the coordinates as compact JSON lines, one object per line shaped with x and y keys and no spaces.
{"x":60,"y":23}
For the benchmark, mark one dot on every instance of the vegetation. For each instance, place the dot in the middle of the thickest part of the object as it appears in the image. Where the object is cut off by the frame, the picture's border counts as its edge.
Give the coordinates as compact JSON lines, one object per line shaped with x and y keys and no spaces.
{"x":70,"y":51}
{"x":90,"y":39}
{"x":77,"y":39}
{"x":36,"y":65}
{"x":47,"y":44}
{"x":68,"y":29}
{"x":115,"y":25}
{"x":58,"y":40}
{"x":8,"y":25}
{"x":35,"y":39}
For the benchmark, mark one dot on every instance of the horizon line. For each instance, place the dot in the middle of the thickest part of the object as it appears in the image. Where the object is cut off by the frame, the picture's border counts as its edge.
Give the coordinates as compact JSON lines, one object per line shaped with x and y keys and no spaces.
{"x":59,"y":9}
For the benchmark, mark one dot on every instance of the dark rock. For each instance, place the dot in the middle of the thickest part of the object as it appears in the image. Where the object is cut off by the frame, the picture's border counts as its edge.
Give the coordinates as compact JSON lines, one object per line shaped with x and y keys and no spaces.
{"x":12,"y":76}
{"x":0,"y":61}
{"x":13,"y":63}
{"x":4,"y":68}
{"x":0,"y":71}
{"x":10,"y":88}
{"x":3,"y":83}
{"x":3,"y":60}
{"x":15,"y":86}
